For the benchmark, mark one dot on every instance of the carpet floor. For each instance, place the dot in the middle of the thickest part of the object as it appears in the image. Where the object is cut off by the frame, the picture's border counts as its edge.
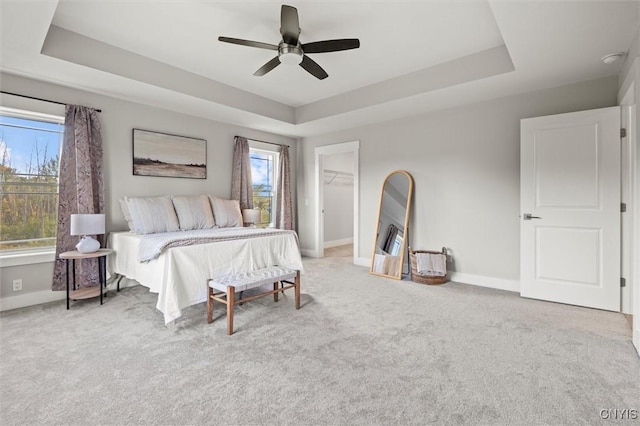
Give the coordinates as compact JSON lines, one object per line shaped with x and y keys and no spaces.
{"x":362,"y":350}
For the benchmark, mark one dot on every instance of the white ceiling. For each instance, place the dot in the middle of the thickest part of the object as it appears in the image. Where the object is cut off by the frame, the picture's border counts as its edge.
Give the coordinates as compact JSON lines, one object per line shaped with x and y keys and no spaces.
{"x":415,"y":56}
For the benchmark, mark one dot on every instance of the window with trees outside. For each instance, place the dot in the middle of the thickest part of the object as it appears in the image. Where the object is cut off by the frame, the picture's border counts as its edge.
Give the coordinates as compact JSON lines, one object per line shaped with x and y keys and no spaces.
{"x":264,"y":165}
{"x":30,"y":145}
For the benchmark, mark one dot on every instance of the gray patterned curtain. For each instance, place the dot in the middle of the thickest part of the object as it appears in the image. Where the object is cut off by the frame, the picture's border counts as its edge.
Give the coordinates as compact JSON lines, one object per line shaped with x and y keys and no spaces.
{"x":285,"y":212}
{"x":80,"y":189}
{"x":241,"y":184}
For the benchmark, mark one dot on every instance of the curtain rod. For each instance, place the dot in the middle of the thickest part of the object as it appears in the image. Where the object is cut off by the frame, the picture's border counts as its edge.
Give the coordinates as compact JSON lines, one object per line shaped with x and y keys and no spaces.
{"x":270,"y":143}
{"x":39,"y":99}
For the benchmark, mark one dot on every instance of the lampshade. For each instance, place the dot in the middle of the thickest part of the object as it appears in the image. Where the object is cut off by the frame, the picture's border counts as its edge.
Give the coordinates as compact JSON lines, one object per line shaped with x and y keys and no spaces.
{"x":87,"y":224}
{"x":251,"y":215}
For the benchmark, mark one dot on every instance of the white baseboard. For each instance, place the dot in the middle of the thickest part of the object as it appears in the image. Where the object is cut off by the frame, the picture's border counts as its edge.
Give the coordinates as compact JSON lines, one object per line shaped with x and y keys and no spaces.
{"x":461,"y":277}
{"x":336,"y":243}
{"x":44,"y":296}
{"x":32,"y":298}
{"x":362,"y":261}
{"x":309,"y":253}
{"x":484,"y":281}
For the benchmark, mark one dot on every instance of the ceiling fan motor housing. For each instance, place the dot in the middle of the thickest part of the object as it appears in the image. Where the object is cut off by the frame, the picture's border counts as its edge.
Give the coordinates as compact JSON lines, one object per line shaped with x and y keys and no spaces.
{"x":289,"y":54}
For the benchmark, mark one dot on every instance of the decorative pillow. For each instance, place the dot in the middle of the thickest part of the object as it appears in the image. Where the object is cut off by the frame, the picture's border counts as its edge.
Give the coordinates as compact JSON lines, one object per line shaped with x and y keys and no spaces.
{"x":194,"y":212}
{"x":152,"y":214}
{"x":125,"y":212}
{"x":226,"y":212}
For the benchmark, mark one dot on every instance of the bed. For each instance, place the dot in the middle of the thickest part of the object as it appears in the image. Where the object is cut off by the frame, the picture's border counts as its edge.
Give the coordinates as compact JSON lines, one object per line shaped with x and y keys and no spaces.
{"x":179,"y":272}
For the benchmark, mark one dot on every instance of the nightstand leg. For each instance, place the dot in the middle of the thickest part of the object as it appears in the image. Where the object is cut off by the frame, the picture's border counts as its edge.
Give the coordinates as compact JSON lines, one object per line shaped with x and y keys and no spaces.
{"x":104,"y":275}
{"x":66,"y":261}
{"x":101,"y":274}
{"x":73,"y":273}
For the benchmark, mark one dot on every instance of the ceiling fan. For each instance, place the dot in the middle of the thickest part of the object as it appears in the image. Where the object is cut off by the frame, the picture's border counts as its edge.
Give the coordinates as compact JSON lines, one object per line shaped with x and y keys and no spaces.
{"x":290,"y":50}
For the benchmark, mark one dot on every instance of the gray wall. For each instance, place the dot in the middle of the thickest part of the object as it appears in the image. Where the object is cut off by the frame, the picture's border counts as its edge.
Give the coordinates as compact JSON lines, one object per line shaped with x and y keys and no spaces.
{"x":466,"y":166}
{"x":465,"y":163}
{"x":118,"y":118}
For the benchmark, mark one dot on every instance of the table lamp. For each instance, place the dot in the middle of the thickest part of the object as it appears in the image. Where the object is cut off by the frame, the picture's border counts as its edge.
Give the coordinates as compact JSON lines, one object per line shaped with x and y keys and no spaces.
{"x":250,"y":217}
{"x":87,"y":225}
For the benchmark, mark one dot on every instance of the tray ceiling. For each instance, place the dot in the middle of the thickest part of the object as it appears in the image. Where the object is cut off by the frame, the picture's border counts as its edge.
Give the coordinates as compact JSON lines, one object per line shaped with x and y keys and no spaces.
{"x":414,"y":57}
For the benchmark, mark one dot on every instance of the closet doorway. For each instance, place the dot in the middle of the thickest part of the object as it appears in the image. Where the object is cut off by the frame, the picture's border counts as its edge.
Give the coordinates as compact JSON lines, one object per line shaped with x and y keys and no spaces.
{"x":337,"y":181}
{"x":337,"y":195}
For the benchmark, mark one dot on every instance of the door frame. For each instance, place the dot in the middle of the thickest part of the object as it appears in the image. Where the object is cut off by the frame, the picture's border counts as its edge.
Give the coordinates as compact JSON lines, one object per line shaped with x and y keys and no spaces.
{"x":627,"y":249}
{"x":627,"y":101}
{"x":321,"y":151}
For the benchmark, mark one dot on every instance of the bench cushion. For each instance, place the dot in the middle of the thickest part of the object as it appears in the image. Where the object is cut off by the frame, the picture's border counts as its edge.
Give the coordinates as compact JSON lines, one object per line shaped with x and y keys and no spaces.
{"x":247,"y":280}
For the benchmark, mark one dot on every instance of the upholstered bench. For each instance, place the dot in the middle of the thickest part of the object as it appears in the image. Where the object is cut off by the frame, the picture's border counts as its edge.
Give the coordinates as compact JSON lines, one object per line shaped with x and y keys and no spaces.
{"x":228,"y":285}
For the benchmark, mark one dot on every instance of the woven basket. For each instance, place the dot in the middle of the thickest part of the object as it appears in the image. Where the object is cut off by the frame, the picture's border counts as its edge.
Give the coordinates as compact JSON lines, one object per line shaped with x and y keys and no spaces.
{"x":425,"y":279}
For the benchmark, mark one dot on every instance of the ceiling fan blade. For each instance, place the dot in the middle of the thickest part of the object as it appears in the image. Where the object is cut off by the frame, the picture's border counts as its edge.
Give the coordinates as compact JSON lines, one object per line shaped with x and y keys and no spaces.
{"x":249,"y":43}
{"x":267,"y":67}
{"x":331,"y":45}
{"x":289,"y":25}
{"x":313,"y":68}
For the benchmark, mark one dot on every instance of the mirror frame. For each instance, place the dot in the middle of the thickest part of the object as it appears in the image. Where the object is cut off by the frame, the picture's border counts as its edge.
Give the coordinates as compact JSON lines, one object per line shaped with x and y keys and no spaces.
{"x":403,"y":249}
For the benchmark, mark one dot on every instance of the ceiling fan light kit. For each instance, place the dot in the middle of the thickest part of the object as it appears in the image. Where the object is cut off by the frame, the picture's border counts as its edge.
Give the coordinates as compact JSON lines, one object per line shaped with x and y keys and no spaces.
{"x":289,"y":54}
{"x":290,"y":50}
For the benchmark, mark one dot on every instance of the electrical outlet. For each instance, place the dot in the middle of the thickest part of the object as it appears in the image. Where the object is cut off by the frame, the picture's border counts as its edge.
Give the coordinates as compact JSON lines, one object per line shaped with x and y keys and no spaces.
{"x":17,"y":285}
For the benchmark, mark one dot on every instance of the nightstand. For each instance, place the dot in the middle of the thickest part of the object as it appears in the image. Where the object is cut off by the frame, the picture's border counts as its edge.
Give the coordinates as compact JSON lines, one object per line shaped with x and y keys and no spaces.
{"x":86,"y":293}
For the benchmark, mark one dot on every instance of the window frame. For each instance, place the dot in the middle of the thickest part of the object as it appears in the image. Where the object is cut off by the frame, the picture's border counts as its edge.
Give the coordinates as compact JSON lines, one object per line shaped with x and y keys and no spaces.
{"x":259,"y":148}
{"x":26,"y":256}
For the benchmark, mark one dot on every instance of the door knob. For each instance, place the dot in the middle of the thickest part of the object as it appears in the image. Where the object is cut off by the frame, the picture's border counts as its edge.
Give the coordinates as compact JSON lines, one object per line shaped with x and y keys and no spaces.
{"x":528,"y":216}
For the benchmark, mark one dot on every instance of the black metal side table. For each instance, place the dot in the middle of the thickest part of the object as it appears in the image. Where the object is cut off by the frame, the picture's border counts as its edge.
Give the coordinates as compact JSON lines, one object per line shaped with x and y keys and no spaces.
{"x":86,"y":293}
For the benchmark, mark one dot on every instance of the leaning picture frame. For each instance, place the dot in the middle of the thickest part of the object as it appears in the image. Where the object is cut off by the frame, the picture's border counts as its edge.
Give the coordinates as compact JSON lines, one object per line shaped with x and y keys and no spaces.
{"x":166,"y":155}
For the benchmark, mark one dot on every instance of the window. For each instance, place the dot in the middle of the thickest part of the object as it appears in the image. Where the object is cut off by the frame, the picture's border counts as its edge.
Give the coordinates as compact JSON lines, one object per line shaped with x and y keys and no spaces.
{"x":30,"y":145}
{"x":264,"y":165}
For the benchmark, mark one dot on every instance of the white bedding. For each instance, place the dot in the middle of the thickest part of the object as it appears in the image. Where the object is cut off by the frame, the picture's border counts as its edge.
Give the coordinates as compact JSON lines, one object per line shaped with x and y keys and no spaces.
{"x":179,"y":275}
{"x":152,"y":245}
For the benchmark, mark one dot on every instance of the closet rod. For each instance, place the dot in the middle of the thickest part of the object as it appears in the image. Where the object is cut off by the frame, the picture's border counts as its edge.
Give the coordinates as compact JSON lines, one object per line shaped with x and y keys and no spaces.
{"x":39,"y":99}
{"x":270,"y":143}
{"x":336,"y":172}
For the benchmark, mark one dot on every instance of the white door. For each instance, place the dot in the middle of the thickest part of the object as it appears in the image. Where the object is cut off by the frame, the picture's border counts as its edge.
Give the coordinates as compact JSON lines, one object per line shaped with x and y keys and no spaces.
{"x":570,"y":208}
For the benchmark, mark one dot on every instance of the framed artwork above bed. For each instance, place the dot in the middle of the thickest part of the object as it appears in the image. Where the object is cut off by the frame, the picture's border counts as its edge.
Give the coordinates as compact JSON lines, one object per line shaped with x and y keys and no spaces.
{"x":165,"y":155}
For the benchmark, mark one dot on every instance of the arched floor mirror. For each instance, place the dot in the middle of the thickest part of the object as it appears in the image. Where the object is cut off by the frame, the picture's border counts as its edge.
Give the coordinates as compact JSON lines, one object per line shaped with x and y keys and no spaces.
{"x":392,"y":226}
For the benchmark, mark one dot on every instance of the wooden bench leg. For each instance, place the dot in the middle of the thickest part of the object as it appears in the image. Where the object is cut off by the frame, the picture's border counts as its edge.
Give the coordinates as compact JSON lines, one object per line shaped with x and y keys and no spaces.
{"x":231,"y":295}
{"x":209,"y":305}
{"x":296,"y":289}
{"x":230,"y":299}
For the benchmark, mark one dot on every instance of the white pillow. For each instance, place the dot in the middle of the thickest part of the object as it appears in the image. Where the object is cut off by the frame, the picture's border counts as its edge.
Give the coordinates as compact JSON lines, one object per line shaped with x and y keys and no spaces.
{"x":194,"y":212}
{"x":125,"y":212}
{"x":152,"y":214}
{"x":226,"y":212}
